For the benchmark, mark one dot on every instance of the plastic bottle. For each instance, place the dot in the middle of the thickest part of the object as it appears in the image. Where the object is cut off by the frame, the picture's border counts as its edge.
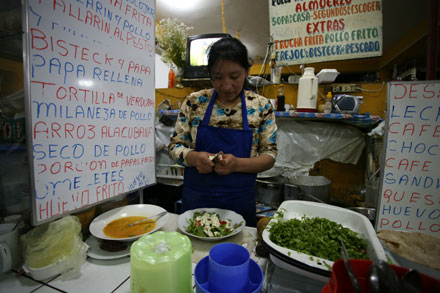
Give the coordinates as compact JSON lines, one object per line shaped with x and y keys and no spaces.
{"x":307,"y":91}
{"x":281,"y":100}
{"x":328,"y":104}
{"x":275,"y":71}
{"x":171,"y":78}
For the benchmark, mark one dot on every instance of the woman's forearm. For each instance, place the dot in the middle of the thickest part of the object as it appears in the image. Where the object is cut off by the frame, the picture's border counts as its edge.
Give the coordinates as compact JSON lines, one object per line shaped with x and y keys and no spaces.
{"x":255,"y":164}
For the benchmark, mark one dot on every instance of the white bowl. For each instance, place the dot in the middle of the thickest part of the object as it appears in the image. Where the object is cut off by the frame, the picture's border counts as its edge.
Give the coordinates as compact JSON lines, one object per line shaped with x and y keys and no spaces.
{"x":142,"y":210}
{"x":43,"y":273}
{"x":63,"y":266}
{"x":236,"y":219}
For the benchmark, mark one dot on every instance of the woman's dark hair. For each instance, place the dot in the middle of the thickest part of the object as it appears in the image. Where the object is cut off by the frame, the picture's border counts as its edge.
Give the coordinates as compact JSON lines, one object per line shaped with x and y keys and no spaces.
{"x":231,"y":49}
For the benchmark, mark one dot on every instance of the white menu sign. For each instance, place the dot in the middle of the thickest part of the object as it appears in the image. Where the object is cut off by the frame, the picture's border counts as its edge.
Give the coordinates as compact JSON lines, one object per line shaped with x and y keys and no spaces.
{"x":410,"y":185}
{"x":310,"y":31}
{"x":90,"y":90}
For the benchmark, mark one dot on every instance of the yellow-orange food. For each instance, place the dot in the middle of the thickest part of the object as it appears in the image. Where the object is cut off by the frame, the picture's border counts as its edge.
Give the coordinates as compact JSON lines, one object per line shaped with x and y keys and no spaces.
{"x":119,"y":228}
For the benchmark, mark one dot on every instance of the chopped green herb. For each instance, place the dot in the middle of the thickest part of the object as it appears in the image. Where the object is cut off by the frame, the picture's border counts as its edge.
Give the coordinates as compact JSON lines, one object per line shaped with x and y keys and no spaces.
{"x":328,"y":266}
{"x":317,"y":237}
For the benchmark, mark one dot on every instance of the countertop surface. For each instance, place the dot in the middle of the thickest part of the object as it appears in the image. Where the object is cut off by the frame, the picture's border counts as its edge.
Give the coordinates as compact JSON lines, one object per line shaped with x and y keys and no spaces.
{"x":113,"y":275}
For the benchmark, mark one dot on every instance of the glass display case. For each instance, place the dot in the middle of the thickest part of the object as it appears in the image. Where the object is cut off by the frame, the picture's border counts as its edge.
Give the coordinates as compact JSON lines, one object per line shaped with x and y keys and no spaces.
{"x":14,"y":167}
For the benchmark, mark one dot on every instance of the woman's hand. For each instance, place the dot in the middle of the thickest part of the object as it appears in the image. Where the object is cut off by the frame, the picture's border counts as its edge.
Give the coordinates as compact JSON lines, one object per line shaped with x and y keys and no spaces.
{"x":201,"y":161}
{"x":229,"y":164}
{"x":226,"y":165}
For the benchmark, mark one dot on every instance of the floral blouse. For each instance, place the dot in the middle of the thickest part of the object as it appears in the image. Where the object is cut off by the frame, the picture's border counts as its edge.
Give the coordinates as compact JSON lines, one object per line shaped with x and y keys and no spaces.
{"x":261,"y":119}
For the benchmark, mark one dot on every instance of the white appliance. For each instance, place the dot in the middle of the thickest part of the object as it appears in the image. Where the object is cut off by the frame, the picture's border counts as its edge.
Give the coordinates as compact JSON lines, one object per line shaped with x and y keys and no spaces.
{"x":307,"y":91}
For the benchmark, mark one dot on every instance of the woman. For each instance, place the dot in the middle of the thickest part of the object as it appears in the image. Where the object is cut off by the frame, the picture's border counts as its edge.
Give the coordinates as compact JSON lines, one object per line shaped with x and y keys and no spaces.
{"x":232,"y":121}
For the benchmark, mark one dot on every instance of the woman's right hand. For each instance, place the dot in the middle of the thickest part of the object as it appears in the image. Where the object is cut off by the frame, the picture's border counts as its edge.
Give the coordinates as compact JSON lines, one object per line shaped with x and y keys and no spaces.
{"x":201,"y":161}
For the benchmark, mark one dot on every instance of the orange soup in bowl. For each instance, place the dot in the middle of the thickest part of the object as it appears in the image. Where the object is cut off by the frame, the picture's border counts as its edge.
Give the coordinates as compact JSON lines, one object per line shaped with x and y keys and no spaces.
{"x":120,"y":228}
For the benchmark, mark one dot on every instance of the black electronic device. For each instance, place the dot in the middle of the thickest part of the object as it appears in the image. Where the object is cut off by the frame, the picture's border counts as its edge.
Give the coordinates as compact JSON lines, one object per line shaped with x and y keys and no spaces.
{"x":197,"y":48}
{"x":346,"y":104}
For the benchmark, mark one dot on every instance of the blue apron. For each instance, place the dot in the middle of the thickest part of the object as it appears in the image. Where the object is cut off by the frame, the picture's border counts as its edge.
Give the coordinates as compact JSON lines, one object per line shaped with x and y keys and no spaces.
{"x":233,"y":192}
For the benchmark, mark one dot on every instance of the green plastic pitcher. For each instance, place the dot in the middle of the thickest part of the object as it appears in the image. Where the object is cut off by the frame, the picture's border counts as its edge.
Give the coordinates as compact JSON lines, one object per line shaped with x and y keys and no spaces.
{"x":161,"y":262}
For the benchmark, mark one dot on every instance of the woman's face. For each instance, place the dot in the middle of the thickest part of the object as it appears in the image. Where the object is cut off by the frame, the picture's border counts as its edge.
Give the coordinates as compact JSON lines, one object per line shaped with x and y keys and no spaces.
{"x":228,"y":78}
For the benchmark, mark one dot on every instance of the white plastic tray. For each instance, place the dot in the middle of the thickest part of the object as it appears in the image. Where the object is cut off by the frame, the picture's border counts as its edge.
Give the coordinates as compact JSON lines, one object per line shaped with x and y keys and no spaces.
{"x":327,"y":75}
{"x":353,"y":220}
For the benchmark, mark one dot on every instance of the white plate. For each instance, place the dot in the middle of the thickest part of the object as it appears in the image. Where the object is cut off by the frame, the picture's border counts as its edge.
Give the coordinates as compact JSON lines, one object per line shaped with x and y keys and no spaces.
{"x":142,"y":210}
{"x":347,"y":218}
{"x":96,"y":252}
{"x":183,"y":222}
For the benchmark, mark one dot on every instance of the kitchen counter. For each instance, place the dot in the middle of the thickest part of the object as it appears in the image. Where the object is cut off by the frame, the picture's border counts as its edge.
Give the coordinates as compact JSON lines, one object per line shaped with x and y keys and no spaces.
{"x":114,"y":275}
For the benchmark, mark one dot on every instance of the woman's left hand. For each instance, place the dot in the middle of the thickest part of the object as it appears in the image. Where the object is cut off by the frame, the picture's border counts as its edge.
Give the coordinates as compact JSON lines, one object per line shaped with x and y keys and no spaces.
{"x":226,"y":165}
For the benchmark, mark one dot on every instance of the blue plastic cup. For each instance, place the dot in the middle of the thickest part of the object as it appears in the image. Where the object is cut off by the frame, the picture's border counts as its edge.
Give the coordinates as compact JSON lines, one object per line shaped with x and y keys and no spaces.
{"x":228,"y":268}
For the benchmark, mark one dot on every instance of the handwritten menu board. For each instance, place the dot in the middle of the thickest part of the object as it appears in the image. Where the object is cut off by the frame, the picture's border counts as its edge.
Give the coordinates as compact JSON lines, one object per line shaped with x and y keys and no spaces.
{"x":310,"y":31}
{"x":90,"y":88}
{"x":410,"y":180}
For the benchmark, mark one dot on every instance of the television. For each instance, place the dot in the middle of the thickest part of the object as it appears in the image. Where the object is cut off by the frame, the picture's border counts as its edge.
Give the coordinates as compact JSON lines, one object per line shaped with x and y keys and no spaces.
{"x":197,"y":47}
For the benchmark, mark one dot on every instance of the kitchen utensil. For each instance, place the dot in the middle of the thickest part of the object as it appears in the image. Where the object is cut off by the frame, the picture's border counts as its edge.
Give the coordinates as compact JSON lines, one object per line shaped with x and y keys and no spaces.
{"x":270,"y":191}
{"x":411,"y":282}
{"x":158,"y":216}
{"x":161,"y":262}
{"x":214,"y":157}
{"x":373,"y":278}
{"x":272,"y":172}
{"x":349,"y":268}
{"x":370,"y":213}
{"x":237,"y":221}
{"x":388,"y":281}
{"x":312,"y":188}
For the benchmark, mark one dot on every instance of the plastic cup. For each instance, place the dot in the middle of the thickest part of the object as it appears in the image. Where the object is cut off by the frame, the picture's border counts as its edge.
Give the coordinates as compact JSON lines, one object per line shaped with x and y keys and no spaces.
{"x":228,"y":268}
{"x":275,"y":75}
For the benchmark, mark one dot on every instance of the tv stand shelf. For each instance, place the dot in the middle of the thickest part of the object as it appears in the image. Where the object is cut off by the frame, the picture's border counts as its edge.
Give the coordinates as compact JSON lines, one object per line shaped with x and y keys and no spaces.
{"x":197,"y":82}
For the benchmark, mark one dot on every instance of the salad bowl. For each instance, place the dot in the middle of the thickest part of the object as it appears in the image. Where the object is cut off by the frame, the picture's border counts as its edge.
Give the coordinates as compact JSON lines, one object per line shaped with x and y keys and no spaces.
{"x":237,"y":221}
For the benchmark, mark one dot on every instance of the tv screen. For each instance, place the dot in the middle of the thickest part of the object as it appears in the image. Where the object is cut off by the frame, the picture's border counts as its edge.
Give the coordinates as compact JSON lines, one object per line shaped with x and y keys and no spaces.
{"x":197,"y":54}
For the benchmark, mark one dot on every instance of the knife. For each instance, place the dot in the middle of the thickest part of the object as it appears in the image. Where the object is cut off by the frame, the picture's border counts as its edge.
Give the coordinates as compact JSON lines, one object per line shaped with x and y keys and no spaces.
{"x":213,"y":158}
